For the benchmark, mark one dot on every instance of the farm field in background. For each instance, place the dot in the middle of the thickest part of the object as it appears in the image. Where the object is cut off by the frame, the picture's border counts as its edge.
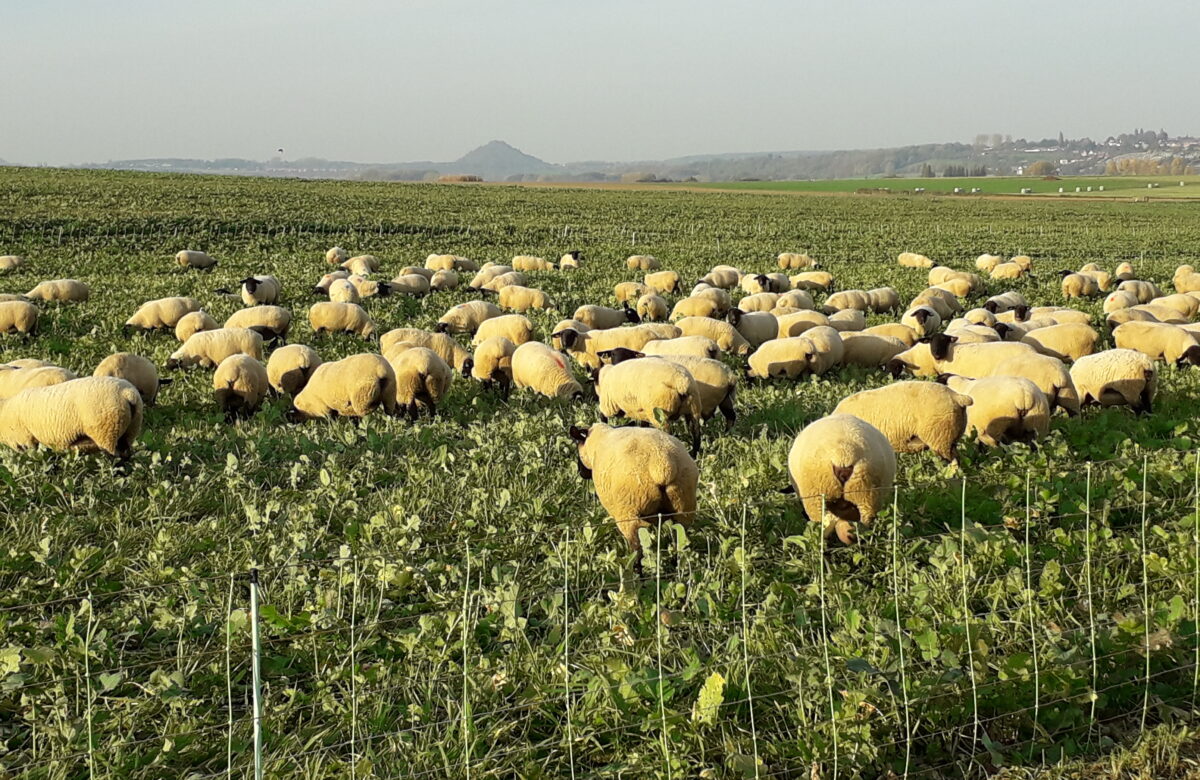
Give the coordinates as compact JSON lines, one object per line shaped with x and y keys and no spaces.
{"x":1114,"y":186}
{"x":447,"y":598}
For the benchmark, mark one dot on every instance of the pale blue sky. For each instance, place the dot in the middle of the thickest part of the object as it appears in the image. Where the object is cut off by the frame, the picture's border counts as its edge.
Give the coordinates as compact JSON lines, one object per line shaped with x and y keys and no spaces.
{"x":372,"y":80}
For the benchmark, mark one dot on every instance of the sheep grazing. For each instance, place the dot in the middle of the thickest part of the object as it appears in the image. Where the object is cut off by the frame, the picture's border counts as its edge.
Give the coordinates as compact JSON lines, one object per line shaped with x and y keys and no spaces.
{"x":813,"y":281}
{"x":966,"y":333}
{"x":1078,"y":286}
{"x":663,"y":281}
{"x":440,"y":281}
{"x":914,"y":416}
{"x":544,"y":370}
{"x":629,"y":291}
{"x":1145,"y":291}
{"x":718,"y":296}
{"x":260,"y":289}
{"x":941,"y":354}
{"x":695,"y":306}
{"x":270,"y":322}
{"x":1049,"y":374}
{"x":490,"y":273}
{"x":986,"y":262}
{"x":239,"y":385}
{"x":794,"y":261}
{"x":60,"y":290}
{"x":1068,"y":342}
{"x":913,"y":260}
{"x":446,"y":348}
{"x":1007,"y":271}
{"x":413,"y":284}
{"x":1159,"y":341}
{"x":450,"y":263}
{"x":847,"y":299}
{"x":652,"y":308}
{"x":695,"y":346}
{"x":1119,"y":300}
{"x":530,"y":263}
{"x":290,"y":368}
{"x":1185,"y":280}
{"x":923,"y":320}
{"x":336,"y":255}
{"x":848,"y":320}
{"x":1025,"y":261}
{"x":492,"y":363}
{"x":18,"y":317}
{"x":796,"y":323}
{"x":89,"y":414}
{"x":520,"y":298}
{"x":756,"y":327}
{"x":725,"y":277}
{"x":1007,"y":301}
{"x":332,"y":317}
{"x":1116,"y":377}
{"x":137,"y":371}
{"x":1103,"y":279}
{"x":1186,"y":305}
{"x":162,"y":314}
{"x":1124,"y":272}
{"x":641,"y":262}
{"x":883,"y":299}
{"x":9,"y":262}
{"x":422,"y":379}
{"x":192,"y":323}
{"x":869,"y":350}
{"x":1005,"y":409}
{"x":759,"y":302}
{"x":368,"y":288}
{"x":362,"y":265}
{"x":650,"y":390}
{"x":22,"y":375}
{"x":515,"y":327}
{"x":727,"y":337}
{"x":354,"y":386}
{"x":602,"y":317}
{"x":343,"y":291}
{"x":570,"y":261}
{"x":793,"y":299}
{"x":845,"y":467}
{"x":944,"y":302}
{"x":192,"y":258}
{"x":466,"y":317}
{"x":209,"y":347}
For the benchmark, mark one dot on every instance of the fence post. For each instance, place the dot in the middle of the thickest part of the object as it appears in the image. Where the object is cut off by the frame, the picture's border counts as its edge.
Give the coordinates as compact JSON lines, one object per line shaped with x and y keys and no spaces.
{"x":87,"y":671}
{"x":1196,"y":572}
{"x":354,"y":674}
{"x":1146,"y":614}
{"x":1087,"y":551}
{"x":967,"y":619}
{"x":466,"y":700}
{"x":256,"y":673}
{"x":1037,"y":681}
{"x":658,"y":624}
{"x":825,"y":632}
{"x":567,"y":646}
{"x":229,"y":679}
{"x":746,"y":648}
{"x":900,"y":623}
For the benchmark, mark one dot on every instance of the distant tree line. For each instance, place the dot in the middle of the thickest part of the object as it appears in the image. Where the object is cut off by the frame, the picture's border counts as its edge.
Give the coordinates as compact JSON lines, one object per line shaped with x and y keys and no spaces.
{"x":1146,"y":166}
{"x":963,"y":171}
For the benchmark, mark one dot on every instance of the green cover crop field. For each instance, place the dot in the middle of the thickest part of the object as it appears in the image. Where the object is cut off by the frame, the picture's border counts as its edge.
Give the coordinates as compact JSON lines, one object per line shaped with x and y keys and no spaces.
{"x":447,"y":598}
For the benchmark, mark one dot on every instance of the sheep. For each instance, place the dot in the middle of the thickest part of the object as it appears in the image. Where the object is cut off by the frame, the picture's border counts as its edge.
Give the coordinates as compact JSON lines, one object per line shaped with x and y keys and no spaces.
{"x":721,"y":298}
{"x":290,"y":368}
{"x":795,"y":261}
{"x":343,"y":291}
{"x":693,"y":346}
{"x":883,"y":299}
{"x":652,"y":308}
{"x":544,"y":370}
{"x":869,"y":350}
{"x":1005,"y":408}
{"x":520,"y":298}
{"x":440,"y":281}
{"x":1103,"y":279}
{"x":192,"y":323}
{"x":570,"y":261}
{"x":1162,"y":313}
{"x":239,"y":385}
{"x":844,"y":466}
{"x":9,"y":262}
{"x":435,"y":262}
{"x":530,"y":263}
{"x":1060,"y":316}
{"x":986,"y":262}
{"x":641,"y":262}
{"x":586,"y":346}
{"x":1185,"y":279}
{"x":504,"y":280}
{"x":487,"y":274}
{"x":913,"y":260}
{"x":1159,"y":341}
{"x":428,"y":273}
{"x":270,"y":322}
{"x":1067,"y":342}
{"x":629,"y":291}
{"x":412,"y":284}
{"x":813,"y":281}
{"x":354,"y":386}
{"x":940,"y":354}
{"x":847,"y":299}
{"x":914,"y":416}
{"x":161,"y":314}
{"x":827,"y":349}
{"x":322,"y":286}
{"x":1007,"y":271}
{"x":19,"y":317}
{"x":966,"y":333}
{"x":727,"y":337}
{"x":1119,"y":300}
{"x":755,"y":327}
{"x":15,"y":378}
{"x":1124,"y":272}
{"x":192,"y":258}
{"x":649,"y":390}
{"x":1050,"y":375}
{"x":848,"y":320}
{"x":753,"y":284}
{"x":5,"y":297}
{"x":574,"y":325}
{"x":1116,"y":377}
{"x":362,"y":265}
{"x":446,"y":347}
{"x":781,"y":358}
{"x":336,"y":255}
{"x":797,"y":323}
{"x":209,"y":347}
{"x":923,"y":320}
{"x":716,"y":383}
{"x":640,"y":474}
{"x":794,"y":299}
{"x":515,"y":327}
{"x":492,"y":363}
{"x":941,"y":301}
{"x":663,"y":281}
{"x":1121,"y":316}
{"x":943,"y":275}
{"x":422,"y":379}
{"x":1025,"y":261}
{"x":695,"y":307}
{"x":1145,"y":291}
{"x":137,"y":371}
{"x":260,"y":289}
{"x":1186,"y":305}
{"x":93,"y":413}
{"x":602,"y":317}
{"x":368,"y":288}
{"x":725,"y":277}
{"x":980,"y":317}
{"x":1007,"y":301}
{"x":895,"y":330}
{"x":1077,"y":285}
{"x":959,"y":288}
{"x":28,"y":363}
{"x":61,"y":290}
{"x":466,"y":317}
{"x":759,"y":302}
{"x":331,"y":317}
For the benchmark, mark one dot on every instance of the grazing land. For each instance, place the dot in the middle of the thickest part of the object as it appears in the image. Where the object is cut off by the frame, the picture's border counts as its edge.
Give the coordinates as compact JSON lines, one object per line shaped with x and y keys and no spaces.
{"x":447,"y":598}
{"x":1114,"y":186}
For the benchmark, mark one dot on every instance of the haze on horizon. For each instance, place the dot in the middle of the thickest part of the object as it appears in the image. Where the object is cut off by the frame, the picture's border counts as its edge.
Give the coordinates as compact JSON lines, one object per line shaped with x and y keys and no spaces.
{"x":378,"y":81}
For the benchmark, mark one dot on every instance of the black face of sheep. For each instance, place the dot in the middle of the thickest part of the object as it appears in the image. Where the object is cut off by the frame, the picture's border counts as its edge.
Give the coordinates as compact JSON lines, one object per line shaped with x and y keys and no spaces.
{"x":385,"y":289}
{"x":630,"y":314}
{"x":611,"y":357}
{"x":441,"y":327}
{"x":468,"y":364}
{"x":319,"y":290}
{"x":295,"y":416}
{"x":1065,"y":273}
{"x":991,"y":306}
{"x":1191,"y":356}
{"x":921,"y":316}
{"x":943,"y":379}
{"x":483,"y":291}
{"x":1002,"y":328}
{"x":939,"y":345}
{"x":575,"y":255}
{"x":250,"y":283}
{"x":1022,"y":313}
{"x":895,"y":367}
{"x":567,"y":336}
{"x":734,"y":316}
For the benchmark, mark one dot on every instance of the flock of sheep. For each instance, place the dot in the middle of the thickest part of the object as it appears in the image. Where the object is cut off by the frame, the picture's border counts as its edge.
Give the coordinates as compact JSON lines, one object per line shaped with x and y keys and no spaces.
{"x":1002,"y":366}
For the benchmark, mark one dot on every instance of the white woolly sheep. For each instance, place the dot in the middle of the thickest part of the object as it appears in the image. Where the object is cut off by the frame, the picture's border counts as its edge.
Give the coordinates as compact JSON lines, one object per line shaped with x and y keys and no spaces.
{"x":1025,"y":261}
{"x":941,"y":301}
{"x":752,"y":284}
{"x":756,"y":327}
{"x":759,"y":302}
{"x":520,"y":298}
{"x":209,"y":347}
{"x":718,"y":296}
{"x":986,"y":262}
{"x":1124,"y":272}
{"x":914,"y":416}
{"x":504,"y":280}
{"x":694,"y":346}
{"x":354,"y":386}
{"x":1007,"y":271}
{"x":1119,"y":300}
{"x":192,"y":323}
{"x":795,"y":261}
{"x":515,"y":327}
{"x":570,"y":261}
{"x":1185,"y":279}
{"x":663,"y":281}
{"x":813,"y":281}
{"x":845,"y":467}
{"x":1159,"y":341}
{"x":1007,"y":301}
{"x":980,"y":317}
{"x":695,"y":306}
{"x":913,"y":260}
{"x":162,"y":314}
{"x":191,"y":258}
{"x":436,"y":262}
{"x":1103,"y":279}
{"x":15,"y":378}
{"x":923,"y":320}
{"x":652,"y":308}
{"x":368,"y":288}
{"x":1116,"y":377}
{"x":1068,"y":342}
{"x":1122,"y":316}
{"x":422,"y":379}
{"x":796,"y":323}
{"x":343,"y":291}
{"x":1145,"y":291}
{"x":492,"y":363}
{"x":966,"y":333}
{"x":530,"y":263}
{"x":629,"y":291}
{"x":544,"y":370}
{"x":795,"y":299}
{"x":440,"y":281}
{"x":716,"y":382}
{"x":827,"y":348}
{"x":1186,"y":305}
{"x":239,"y":385}
{"x":336,"y":255}
{"x":941,"y":354}
{"x":93,"y":413}
{"x":488,"y":273}
{"x":1005,"y":408}
{"x":61,"y":290}
{"x":466,"y":317}
{"x":641,"y":262}
{"x":602,"y":317}
{"x":781,"y":358}
{"x":1050,"y":375}
{"x":331,"y":317}
{"x":9,"y":262}
{"x":260,"y":289}
{"x":641,"y":475}
{"x":847,"y":320}
{"x":1077,"y":285}
{"x":727,"y":337}
{"x":847,"y":299}
{"x":884,"y":299}
{"x":575,"y":325}
{"x":322,"y":286}
{"x":290,"y":368}
{"x":412,"y":284}
{"x":896,"y":331}
{"x":650,"y":390}
{"x":137,"y":371}
{"x":869,"y":350}
{"x":446,"y":348}
{"x":270,"y":322}
{"x":586,"y":346}
{"x":362,"y":265}
{"x":724,"y":276}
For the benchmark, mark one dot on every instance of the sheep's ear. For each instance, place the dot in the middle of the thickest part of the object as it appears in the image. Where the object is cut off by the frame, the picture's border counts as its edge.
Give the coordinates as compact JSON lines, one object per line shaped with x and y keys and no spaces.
{"x":944,"y":379}
{"x":991,"y":306}
{"x":579,"y":435}
{"x":441,"y":327}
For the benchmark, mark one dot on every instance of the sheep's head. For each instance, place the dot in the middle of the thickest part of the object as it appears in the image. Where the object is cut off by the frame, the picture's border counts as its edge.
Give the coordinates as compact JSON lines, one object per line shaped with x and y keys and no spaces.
{"x":734,"y":316}
{"x":939,"y":345}
{"x":1190,"y":356}
{"x":580,"y":437}
{"x":992,"y":306}
{"x":467,"y":367}
{"x":568,"y":337}
{"x":441,"y":327}
{"x":1021,"y":313}
{"x":611,"y":357}
{"x":630,"y":314}
{"x":250,"y":283}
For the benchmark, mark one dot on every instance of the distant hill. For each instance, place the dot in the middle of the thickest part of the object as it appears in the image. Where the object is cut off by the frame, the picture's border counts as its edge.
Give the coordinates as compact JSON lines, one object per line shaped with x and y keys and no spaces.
{"x":497,"y":160}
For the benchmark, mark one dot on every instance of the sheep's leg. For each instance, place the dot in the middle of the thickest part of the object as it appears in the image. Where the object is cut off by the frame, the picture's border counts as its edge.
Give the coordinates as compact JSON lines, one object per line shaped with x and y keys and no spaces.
{"x":727,"y":410}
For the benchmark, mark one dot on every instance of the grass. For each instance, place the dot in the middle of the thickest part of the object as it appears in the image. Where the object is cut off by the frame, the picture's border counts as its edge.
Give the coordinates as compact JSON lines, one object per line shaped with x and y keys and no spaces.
{"x":426,"y":587}
{"x":1114,"y":186}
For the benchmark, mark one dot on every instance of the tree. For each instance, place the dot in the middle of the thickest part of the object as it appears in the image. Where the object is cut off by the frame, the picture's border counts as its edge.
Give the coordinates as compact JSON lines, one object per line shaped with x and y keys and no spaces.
{"x":1040,"y":168}
{"x":926,"y":171}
